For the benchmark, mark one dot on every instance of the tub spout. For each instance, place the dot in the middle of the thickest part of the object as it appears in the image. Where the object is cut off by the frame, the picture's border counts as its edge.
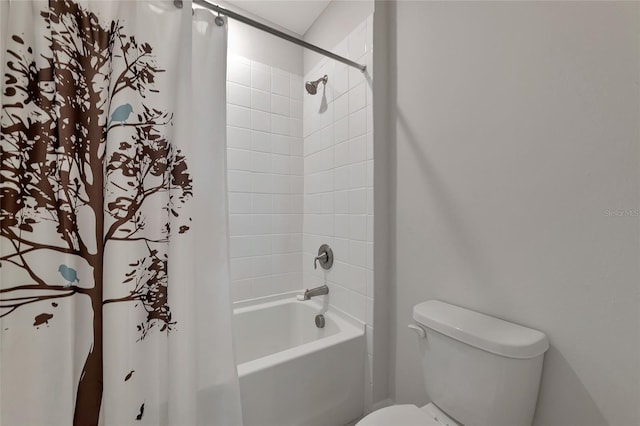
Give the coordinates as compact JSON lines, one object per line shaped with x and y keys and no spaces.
{"x":318,"y":291}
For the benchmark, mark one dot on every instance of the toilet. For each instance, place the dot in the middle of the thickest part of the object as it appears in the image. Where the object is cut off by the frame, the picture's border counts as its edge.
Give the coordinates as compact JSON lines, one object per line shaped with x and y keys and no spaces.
{"x":478,"y":370}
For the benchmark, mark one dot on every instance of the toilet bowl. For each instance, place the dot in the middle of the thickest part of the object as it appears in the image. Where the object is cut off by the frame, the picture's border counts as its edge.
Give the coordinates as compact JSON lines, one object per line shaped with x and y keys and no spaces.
{"x":478,"y":370}
{"x":408,"y":415}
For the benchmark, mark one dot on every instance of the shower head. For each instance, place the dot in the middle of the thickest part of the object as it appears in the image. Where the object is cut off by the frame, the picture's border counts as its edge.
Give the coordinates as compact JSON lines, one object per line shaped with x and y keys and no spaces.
{"x":312,"y":86}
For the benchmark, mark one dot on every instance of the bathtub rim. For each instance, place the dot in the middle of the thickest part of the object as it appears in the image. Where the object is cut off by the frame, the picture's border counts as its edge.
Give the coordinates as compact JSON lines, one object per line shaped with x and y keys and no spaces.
{"x":349,"y":328}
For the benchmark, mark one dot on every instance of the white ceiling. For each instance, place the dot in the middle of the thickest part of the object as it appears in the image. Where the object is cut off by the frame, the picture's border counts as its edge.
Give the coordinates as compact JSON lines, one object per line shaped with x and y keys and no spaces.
{"x":294,"y":15}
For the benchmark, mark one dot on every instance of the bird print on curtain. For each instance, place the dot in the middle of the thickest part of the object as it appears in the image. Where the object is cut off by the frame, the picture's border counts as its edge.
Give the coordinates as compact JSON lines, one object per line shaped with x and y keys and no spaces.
{"x":60,"y":170}
{"x":121,"y":113}
{"x":69,"y":274}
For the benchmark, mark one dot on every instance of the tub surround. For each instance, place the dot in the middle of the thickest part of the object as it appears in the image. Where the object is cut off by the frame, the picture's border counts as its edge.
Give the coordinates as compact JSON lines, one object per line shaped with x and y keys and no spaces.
{"x":338,"y":181}
{"x":264,"y":160}
{"x":300,"y":171}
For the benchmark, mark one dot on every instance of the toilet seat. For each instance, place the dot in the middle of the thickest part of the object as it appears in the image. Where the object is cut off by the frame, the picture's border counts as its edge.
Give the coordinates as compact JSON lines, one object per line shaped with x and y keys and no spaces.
{"x":407,"y":415}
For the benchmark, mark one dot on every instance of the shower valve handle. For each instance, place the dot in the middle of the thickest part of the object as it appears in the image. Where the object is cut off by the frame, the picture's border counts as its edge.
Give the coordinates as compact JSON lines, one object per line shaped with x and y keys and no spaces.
{"x":325,"y":256}
{"x":321,"y":258}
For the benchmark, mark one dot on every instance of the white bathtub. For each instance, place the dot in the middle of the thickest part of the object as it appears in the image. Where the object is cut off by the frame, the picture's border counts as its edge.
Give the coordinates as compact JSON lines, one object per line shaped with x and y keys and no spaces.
{"x":293,"y":373}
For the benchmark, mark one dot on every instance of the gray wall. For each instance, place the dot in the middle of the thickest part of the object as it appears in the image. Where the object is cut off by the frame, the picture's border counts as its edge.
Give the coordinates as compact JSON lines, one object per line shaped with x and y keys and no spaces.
{"x":517,"y":130}
{"x":384,"y":199}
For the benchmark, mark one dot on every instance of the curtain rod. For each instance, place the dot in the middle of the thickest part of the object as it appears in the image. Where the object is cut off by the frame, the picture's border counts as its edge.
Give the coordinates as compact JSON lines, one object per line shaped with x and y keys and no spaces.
{"x":273,"y":31}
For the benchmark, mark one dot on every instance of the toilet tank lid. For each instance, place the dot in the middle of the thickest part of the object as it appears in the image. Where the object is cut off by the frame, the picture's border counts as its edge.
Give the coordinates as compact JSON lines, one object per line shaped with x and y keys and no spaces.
{"x":481,"y":331}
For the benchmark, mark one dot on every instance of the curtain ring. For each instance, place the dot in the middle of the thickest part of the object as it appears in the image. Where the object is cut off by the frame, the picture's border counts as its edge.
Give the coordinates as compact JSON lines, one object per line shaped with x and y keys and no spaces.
{"x":219,"y":20}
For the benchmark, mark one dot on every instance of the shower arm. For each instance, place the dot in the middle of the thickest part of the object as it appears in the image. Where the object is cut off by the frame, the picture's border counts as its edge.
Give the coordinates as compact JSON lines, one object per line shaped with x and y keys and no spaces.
{"x":322,"y":79}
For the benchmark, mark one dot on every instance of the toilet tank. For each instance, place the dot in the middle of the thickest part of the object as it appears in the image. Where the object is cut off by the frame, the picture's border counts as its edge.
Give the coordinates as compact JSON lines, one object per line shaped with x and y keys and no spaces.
{"x":480,"y":370}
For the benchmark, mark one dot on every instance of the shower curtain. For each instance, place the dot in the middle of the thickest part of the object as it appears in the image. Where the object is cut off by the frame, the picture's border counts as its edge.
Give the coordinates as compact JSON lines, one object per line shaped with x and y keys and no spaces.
{"x":114,"y":303}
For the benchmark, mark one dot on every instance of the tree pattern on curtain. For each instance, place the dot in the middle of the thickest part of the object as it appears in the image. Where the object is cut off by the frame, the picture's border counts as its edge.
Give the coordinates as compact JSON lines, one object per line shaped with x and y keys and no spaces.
{"x":58,"y":168}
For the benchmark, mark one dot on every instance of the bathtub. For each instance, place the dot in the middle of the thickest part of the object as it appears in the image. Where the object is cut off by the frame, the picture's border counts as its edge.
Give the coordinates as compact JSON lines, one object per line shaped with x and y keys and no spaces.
{"x":293,"y":373}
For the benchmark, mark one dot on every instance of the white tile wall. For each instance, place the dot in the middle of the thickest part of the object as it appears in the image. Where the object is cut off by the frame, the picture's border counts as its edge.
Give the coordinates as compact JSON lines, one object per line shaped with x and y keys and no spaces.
{"x":265,"y":172}
{"x":338,"y":183}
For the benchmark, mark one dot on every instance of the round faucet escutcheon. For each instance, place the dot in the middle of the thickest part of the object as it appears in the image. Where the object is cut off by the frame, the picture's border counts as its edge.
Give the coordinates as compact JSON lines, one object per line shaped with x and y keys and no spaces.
{"x":324,"y":257}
